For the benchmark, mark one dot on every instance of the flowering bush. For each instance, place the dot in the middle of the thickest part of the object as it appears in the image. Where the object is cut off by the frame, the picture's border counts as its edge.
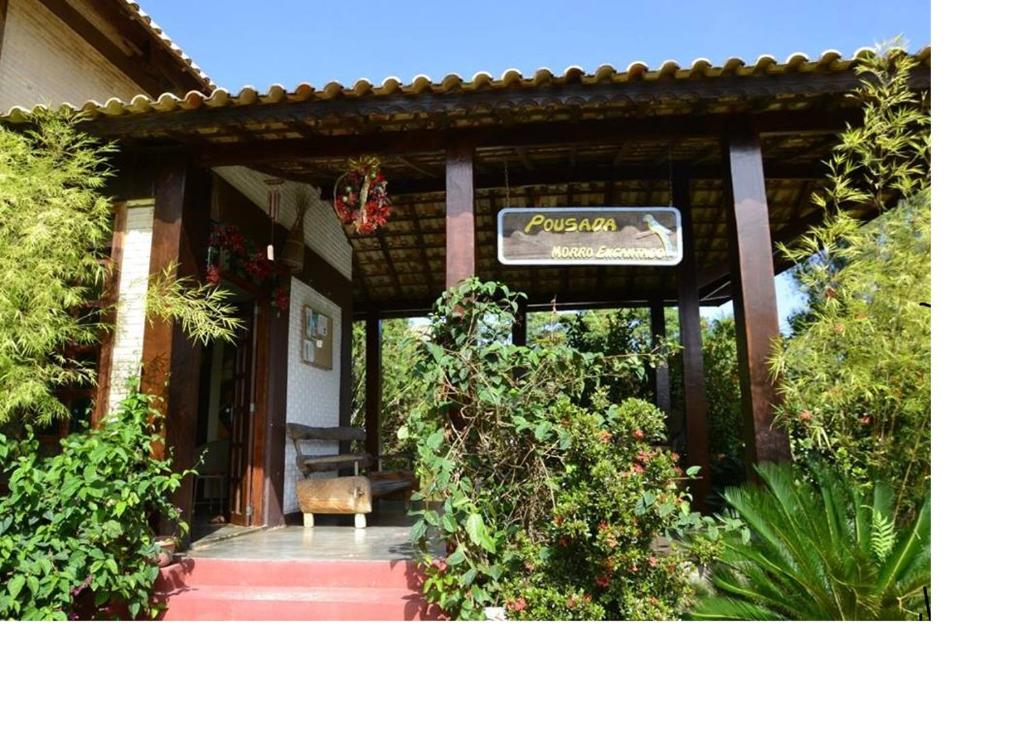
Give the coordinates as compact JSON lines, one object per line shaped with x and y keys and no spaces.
{"x":548,"y":499}
{"x":618,"y":494}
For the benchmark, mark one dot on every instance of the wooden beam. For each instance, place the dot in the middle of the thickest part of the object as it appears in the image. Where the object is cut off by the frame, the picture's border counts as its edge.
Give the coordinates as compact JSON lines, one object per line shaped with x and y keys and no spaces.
{"x":373,"y":387}
{"x":654,"y":128}
{"x":275,"y":409}
{"x":170,"y":361}
{"x":694,"y":400}
{"x":3,"y":25}
{"x":345,"y":393}
{"x":592,"y":173}
{"x":755,"y":308}
{"x":460,"y":249}
{"x":662,"y":390}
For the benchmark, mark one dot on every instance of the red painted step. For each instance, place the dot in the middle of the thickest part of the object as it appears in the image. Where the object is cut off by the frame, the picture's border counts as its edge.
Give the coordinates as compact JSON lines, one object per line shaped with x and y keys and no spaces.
{"x":226,"y":589}
{"x":203,"y":571}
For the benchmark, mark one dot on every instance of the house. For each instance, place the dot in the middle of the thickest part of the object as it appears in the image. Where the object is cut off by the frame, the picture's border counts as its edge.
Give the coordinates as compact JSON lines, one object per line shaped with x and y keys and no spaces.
{"x":71,"y":51}
{"x":736,"y":148}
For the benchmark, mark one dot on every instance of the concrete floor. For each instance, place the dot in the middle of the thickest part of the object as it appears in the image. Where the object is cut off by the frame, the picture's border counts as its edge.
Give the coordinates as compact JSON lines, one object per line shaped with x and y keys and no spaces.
{"x":322,"y":543}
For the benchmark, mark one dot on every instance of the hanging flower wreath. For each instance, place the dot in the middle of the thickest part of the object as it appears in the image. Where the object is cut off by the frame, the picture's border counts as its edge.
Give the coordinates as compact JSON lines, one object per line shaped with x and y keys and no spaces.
{"x":231,"y":253}
{"x":361,"y":196}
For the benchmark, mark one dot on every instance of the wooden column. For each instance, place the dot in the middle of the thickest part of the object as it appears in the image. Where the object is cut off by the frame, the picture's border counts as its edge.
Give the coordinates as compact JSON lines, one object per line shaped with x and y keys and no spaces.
{"x":694,"y":404}
{"x":460,"y":229}
{"x":3,"y":24}
{"x":274,"y":415}
{"x":662,"y":394}
{"x":753,"y":280}
{"x":345,"y":397}
{"x":170,"y":361}
{"x":373,"y":371}
{"x":520,"y":326}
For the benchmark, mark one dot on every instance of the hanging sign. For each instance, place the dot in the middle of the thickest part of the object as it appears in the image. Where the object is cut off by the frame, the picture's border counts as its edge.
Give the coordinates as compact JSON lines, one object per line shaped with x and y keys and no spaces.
{"x":595,"y":236}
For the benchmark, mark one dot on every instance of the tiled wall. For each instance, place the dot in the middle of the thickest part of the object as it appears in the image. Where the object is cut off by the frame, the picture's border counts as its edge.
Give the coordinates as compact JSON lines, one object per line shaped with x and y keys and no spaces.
{"x":130,"y":324}
{"x":313,"y":393}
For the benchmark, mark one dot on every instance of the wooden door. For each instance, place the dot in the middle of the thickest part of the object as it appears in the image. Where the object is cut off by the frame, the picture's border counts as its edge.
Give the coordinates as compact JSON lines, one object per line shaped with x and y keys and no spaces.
{"x":241,"y":423}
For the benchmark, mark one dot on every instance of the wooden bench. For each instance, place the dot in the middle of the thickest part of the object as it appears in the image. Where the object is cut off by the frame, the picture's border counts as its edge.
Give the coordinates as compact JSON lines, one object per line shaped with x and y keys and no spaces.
{"x":347,"y":495}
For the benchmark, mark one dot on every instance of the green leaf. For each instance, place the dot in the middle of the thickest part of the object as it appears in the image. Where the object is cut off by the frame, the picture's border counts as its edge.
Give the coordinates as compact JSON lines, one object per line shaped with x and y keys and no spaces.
{"x":15,"y":584}
{"x":435,"y":440}
{"x":476,"y":529}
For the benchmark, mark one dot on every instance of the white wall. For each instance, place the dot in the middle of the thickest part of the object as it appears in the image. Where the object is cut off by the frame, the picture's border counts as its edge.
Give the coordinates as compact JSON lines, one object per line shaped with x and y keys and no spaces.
{"x":323,"y":232}
{"x":313,"y":393}
{"x":130,"y":320}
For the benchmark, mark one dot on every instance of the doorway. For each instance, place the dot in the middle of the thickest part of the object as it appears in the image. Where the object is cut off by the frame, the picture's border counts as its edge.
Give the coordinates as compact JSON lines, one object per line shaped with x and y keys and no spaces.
{"x":223,"y":494}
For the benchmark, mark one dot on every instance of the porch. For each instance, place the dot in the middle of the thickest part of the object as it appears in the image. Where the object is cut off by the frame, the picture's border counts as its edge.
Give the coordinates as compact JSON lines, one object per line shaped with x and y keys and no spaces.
{"x":736,"y":148}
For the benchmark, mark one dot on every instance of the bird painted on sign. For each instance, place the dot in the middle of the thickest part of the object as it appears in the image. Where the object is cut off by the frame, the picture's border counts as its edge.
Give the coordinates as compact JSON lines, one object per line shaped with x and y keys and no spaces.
{"x":663,"y":233}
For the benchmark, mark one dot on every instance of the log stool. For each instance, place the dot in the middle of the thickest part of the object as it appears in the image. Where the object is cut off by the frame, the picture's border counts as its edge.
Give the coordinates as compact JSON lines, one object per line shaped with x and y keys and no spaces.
{"x":344,"y":495}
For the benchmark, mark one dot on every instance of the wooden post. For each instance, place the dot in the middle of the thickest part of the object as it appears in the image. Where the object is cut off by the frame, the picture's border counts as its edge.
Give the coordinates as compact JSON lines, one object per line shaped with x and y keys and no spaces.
{"x":753,"y":280}
{"x":345,"y":397}
{"x":694,"y":403}
{"x":275,"y":367}
{"x":460,"y":229}
{"x":373,"y":370}
{"x":3,"y":24}
{"x":662,"y":394}
{"x":170,"y":361}
{"x":520,"y":325}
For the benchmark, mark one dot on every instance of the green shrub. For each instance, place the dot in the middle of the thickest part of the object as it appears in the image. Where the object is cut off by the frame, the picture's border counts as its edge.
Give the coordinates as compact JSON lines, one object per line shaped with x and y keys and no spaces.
{"x":615,"y":495}
{"x":856,"y":373}
{"x":75,"y":535}
{"x":53,"y":221}
{"x":823,"y":547}
{"x":724,"y":408}
{"x":523,"y":462}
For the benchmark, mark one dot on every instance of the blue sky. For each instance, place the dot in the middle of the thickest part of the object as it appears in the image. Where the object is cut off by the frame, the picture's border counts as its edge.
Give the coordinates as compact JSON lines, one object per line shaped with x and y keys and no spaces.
{"x":259,"y":43}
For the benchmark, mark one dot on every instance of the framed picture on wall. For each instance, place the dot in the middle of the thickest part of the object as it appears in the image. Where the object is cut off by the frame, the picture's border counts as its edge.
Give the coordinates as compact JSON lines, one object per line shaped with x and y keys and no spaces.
{"x":317,"y":335}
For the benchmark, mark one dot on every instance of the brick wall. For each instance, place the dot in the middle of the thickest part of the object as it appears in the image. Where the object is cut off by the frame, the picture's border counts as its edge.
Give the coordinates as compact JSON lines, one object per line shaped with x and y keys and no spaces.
{"x":45,"y":62}
{"x":133,"y":282}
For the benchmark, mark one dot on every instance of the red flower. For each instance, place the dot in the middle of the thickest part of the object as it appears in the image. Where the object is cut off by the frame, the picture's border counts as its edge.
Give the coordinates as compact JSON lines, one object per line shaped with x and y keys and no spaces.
{"x":518,"y":605}
{"x":440,"y":565}
{"x":213,"y":274}
{"x":638,"y":434}
{"x":637,"y":468}
{"x":652,"y":560}
{"x":605,"y":436}
{"x":602,"y":581}
{"x":805,"y":416}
